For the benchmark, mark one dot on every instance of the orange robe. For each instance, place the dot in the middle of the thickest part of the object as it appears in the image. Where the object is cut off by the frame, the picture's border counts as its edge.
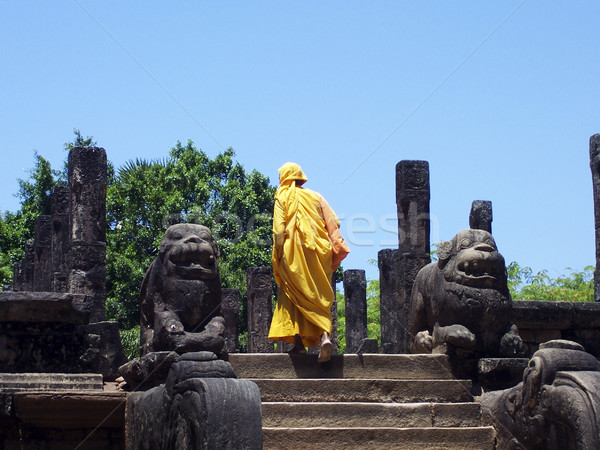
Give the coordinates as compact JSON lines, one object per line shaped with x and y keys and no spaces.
{"x":302,"y":261}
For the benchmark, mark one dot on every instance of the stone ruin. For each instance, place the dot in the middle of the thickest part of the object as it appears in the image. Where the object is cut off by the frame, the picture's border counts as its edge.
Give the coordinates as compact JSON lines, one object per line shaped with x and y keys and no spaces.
{"x":52,"y":319}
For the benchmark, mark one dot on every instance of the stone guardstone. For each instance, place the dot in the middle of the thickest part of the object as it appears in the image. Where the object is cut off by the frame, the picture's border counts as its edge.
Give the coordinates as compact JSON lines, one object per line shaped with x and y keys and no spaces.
{"x":201,"y":406}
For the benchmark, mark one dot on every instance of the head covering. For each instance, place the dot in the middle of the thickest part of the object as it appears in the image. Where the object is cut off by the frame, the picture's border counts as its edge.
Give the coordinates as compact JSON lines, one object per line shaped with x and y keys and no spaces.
{"x":291,"y":172}
{"x":291,"y":177}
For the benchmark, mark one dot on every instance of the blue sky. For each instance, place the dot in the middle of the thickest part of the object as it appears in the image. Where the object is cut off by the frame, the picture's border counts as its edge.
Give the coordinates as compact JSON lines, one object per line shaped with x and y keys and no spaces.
{"x":500,"y":97}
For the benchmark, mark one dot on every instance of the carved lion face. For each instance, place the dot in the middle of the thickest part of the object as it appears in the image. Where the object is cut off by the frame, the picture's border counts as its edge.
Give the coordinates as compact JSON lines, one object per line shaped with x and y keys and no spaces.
{"x":190,"y":252}
{"x":471,"y":258}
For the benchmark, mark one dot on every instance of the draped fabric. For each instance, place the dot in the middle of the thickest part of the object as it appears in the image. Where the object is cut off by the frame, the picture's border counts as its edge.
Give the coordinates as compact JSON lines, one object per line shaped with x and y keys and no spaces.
{"x":302,"y":261}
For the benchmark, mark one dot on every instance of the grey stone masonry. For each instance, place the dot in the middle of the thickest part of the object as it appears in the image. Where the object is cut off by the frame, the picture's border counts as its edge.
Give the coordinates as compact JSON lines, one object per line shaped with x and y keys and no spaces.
{"x":355,"y":292}
{"x":595,"y":166}
{"x":480,"y":217}
{"x":259,"y":290}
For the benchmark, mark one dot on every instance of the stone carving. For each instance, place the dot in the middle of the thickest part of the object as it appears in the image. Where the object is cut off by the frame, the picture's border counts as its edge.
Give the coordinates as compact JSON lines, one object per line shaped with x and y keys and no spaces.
{"x":181,"y":294}
{"x":259,"y":288}
{"x":557,"y":405}
{"x":462,"y":300}
{"x":230,"y":309}
{"x":201,"y":406}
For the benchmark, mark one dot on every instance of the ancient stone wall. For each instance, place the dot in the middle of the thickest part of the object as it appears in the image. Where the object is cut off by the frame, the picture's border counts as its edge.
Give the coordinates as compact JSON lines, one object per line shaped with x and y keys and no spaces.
{"x":539,"y":322}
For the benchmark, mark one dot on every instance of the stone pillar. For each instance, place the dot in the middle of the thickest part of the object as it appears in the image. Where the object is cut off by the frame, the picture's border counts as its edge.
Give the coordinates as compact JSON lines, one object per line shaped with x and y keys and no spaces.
{"x":392,"y":334}
{"x":42,"y":254}
{"x":230,"y":308}
{"x":355,"y":292}
{"x":412,"y":201}
{"x":480,"y":217}
{"x":595,"y":166}
{"x":259,"y":290}
{"x":87,"y":255}
{"x":59,"y":198}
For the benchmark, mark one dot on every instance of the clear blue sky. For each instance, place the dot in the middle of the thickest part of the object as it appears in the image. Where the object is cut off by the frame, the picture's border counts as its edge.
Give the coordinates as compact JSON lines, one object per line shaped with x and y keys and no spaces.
{"x":500,"y":97}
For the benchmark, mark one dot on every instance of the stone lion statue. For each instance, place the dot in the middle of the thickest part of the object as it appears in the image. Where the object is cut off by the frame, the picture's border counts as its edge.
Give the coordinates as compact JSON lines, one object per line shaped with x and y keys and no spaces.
{"x":462,"y":300}
{"x":180,"y":296}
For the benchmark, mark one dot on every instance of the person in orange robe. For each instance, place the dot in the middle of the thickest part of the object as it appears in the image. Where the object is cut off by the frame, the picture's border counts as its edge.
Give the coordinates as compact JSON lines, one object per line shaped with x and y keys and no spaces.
{"x":307,"y":248}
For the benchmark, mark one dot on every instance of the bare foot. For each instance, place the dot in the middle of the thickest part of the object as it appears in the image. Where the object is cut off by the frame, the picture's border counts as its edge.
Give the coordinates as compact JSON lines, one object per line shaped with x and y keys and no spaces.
{"x":325,"y":352}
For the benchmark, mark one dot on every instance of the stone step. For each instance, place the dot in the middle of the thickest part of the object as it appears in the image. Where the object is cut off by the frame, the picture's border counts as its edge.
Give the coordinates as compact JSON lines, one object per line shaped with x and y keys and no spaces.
{"x":11,"y":382}
{"x":282,"y":365}
{"x":364,"y":390}
{"x":382,"y":415}
{"x":62,"y":409}
{"x":378,"y":438}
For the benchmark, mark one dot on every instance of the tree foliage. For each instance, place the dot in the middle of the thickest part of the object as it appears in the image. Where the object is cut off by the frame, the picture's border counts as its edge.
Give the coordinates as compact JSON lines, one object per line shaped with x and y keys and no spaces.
{"x":523,"y":284}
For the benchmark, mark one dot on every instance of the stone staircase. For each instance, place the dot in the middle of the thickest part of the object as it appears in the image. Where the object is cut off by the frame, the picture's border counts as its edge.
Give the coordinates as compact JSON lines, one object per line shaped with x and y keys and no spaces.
{"x":367,"y":401}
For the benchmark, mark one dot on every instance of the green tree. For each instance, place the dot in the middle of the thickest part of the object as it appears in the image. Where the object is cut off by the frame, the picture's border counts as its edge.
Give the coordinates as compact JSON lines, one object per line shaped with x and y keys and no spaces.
{"x":523,"y":284}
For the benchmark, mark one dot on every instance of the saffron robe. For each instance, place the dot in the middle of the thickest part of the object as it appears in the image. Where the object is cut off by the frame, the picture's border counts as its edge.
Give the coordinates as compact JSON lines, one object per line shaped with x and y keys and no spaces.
{"x":302,"y":261}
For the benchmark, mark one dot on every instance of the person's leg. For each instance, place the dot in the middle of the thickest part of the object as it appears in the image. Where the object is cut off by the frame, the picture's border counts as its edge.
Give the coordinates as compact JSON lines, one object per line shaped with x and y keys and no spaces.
{"x":298,"y":345}
{"x":325,"y":351}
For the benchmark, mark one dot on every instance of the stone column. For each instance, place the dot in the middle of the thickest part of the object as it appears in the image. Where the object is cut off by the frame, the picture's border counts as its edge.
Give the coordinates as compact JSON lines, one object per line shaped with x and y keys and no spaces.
{"x":259,"y":290}
{"x":87,"y":255}
{"x":412,"y":201}
{"x":480,"y":217}
{"x":230,"y":308}
{"x":59,"y":198}
{"x":42,"y":254}
{"x":392,"y":334}
{"x":595,"y":166}
{"x":355,"y":292}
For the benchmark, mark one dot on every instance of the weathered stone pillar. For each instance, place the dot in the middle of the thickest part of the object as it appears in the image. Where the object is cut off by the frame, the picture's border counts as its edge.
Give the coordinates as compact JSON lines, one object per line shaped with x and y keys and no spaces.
{"x":230,"y":308}
{"x":412,"y":201}
{"x":392,"y":334}
{"x":59,"y":198}
{"x":87,"y":255}
{"x":259,"y":290}
{"x":595,"y":166}
{"x":355,"y":292}
{"x":480,"y":217}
